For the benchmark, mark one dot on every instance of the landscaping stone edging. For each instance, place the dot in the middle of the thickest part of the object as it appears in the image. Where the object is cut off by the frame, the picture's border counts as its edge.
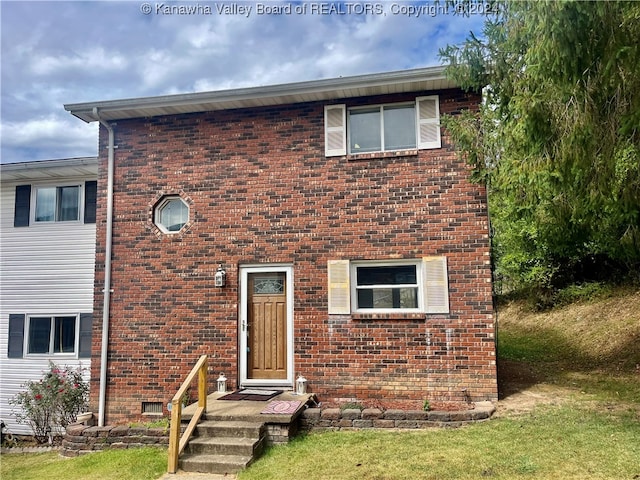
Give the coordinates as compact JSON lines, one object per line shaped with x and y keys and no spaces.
{"x":10,"y":450}
{"x":80,"y":439}
{"x":355,"y":419}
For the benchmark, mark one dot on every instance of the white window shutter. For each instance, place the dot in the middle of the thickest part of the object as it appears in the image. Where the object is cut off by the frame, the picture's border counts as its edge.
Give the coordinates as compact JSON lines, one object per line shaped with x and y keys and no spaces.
{"x":335,"y":130}
{"x":428,"y":109}
{"x":339,"y":289}
{"x":436,"y":288}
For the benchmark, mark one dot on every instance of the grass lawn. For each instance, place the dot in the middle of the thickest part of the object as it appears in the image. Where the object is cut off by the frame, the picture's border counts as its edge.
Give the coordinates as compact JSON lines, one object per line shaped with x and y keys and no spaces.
{"x":134,"y":464}
{"x":550,"y":443}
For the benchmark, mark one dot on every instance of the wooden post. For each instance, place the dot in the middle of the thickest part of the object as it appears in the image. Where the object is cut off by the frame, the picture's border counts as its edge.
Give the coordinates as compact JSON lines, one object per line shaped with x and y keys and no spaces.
{"x":176,"y":441}
{"x":174,"y":435}
{"x":202,"y":385}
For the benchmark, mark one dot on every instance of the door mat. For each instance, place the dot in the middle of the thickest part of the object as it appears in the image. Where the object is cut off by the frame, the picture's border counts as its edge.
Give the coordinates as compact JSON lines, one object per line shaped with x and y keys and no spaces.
{"x":251,"y":394}
{"x":284,"y":407}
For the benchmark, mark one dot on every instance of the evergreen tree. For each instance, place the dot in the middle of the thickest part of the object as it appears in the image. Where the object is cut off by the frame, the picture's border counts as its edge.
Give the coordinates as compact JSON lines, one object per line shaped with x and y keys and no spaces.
{"x":558,"y":137}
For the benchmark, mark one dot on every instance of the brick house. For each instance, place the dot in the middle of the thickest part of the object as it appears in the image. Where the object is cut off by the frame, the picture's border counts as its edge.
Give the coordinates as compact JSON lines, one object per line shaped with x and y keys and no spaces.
{"x":355,"y":248}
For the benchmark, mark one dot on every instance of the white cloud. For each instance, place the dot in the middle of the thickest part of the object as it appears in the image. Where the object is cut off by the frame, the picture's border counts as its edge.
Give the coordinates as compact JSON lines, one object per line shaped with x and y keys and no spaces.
{"x":95,"y":59}
{"x":69,"y":52}
{"x":48,"y":137}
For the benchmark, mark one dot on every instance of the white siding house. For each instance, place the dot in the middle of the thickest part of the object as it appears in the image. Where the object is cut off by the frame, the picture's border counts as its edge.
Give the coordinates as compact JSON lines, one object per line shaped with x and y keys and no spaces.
{"x":47,"y":261}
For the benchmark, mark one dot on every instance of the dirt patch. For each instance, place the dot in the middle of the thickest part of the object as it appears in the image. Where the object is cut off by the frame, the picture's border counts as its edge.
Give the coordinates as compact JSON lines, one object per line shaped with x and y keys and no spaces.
{"x":522,"y":389}
{"x":526,"y":400}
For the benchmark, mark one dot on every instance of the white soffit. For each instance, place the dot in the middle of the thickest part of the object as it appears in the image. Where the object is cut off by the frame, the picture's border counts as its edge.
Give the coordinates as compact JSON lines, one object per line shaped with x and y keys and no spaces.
{"x":86,"y":167}
{"x":417,"y":80}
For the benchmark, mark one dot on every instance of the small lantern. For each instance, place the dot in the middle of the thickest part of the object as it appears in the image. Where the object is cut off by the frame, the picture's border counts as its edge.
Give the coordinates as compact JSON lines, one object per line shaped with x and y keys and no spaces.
{"x":222,"y":383}
{"x":301,"y":385}
{"x":220,"y":278}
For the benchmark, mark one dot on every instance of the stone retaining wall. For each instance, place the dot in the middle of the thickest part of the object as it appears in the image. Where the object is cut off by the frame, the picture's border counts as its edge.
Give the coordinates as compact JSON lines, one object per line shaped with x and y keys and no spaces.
{"x":355,"y":419}
{"x":80,"y":439}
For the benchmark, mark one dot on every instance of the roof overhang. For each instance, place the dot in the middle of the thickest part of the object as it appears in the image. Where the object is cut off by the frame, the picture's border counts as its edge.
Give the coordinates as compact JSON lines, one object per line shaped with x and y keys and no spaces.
{"x":50,"y":169}
{"x":416,"y":80}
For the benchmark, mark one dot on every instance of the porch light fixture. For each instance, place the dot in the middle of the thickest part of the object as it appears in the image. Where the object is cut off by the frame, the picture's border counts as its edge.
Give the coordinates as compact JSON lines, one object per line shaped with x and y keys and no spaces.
{"x":301,"y":385}
{"x":222,"y":383}
{"x":220,"y":278}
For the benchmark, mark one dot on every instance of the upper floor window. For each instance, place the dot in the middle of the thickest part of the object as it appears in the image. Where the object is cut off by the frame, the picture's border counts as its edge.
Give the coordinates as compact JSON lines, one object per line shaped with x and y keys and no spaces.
{"x":171,"y":214}
{"x":382,"y":128}
{"x":57,"y":204}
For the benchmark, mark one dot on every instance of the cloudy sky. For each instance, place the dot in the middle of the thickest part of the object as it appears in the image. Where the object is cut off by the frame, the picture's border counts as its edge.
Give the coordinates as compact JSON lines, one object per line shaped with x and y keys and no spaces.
{"x":58,"y":52}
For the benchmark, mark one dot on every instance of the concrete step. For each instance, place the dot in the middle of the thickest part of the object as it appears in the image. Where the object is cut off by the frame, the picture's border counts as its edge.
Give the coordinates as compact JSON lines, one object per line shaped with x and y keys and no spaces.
{"x":217,"y":464}
{"x":211,"y":428}
{"x":232,"y":417}
{"x":225,"y":446}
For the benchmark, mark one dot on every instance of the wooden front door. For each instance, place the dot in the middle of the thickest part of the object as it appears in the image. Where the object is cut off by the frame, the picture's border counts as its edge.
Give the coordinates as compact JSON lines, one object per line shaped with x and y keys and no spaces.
{"x":267,"y":326}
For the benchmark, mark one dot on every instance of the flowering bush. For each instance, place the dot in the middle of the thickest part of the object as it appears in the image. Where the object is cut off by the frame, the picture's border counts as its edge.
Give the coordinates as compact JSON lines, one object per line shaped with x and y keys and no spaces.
{"x":52,"y":403}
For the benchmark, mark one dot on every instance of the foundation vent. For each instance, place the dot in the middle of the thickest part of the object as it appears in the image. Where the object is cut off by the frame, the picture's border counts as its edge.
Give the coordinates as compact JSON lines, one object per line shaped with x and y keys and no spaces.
{"x":152,"y":408}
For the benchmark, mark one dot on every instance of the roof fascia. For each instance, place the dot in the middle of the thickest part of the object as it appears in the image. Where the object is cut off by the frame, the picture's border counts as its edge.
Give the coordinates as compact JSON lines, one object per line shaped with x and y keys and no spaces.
{"x":55,"y":163}
{"x":272,"y":94}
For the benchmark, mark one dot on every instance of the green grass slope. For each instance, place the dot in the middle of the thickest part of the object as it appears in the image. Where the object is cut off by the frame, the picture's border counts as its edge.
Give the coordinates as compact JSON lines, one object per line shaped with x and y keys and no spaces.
{"x":592,"y":345}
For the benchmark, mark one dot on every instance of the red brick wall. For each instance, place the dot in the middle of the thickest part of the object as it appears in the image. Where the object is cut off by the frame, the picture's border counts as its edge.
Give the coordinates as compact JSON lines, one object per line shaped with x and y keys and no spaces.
{"x":261,"y":190}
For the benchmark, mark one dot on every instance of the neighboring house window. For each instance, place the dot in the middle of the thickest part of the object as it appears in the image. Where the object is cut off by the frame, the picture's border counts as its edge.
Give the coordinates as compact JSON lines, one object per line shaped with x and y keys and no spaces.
{"x":409,"y":286}
{"x":50,"y":335}
{"x":57,"y":204}
{"x":54,"y":204}
{"x":382,"y":128}
{"x":171,"y":214}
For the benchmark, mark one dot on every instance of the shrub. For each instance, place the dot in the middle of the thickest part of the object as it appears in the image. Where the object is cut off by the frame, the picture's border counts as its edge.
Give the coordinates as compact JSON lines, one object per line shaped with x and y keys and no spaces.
{"x":53,"y":402}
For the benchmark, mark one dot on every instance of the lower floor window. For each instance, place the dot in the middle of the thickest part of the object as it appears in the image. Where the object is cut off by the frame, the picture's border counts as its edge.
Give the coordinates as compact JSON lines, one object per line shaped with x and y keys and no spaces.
{"x":387,"y":287}
{"x":392,"y":287}
{"x":49,"y":335}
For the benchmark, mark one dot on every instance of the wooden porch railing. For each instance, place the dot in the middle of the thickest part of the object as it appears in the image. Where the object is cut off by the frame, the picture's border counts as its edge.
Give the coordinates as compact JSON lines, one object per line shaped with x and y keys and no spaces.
{"x":176,"y":442}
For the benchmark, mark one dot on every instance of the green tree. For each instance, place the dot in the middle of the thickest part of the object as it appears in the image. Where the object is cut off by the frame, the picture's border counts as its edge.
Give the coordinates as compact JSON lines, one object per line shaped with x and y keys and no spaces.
{"x":558,"y":137}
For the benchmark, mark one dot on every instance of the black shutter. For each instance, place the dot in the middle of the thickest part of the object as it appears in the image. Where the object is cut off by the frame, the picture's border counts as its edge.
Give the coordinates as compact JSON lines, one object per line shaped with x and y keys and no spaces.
{"x":22,"y":206}
{"x":16,"y":335}
{"x":90,"y":198}
{"x":86,"y":328}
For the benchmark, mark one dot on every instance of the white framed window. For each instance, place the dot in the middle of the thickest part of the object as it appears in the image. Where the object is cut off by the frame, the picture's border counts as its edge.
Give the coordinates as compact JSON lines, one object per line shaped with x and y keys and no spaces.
{"x":47,"y":204}
{"x":52,"y":335}
{"x":386,"y":287}
{"x":383,"y":128}
{"x":171,"y":214}
{"x":57,"y":203}
{"x":393,"y":286}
